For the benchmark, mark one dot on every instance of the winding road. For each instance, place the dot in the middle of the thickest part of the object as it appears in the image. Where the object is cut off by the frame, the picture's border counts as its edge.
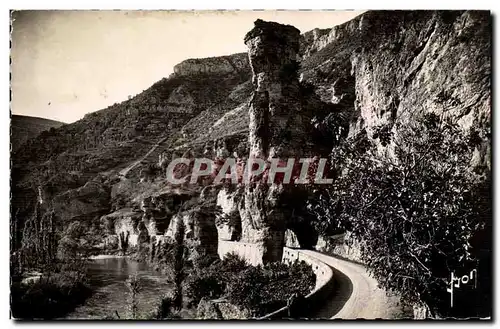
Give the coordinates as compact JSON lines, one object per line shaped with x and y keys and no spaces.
{"x":356,"y":294}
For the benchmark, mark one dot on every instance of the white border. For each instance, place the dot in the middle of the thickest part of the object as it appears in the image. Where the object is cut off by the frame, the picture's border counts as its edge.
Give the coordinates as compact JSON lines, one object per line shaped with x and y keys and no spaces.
{"x":248,"y":5}
{"x":191,"y":4}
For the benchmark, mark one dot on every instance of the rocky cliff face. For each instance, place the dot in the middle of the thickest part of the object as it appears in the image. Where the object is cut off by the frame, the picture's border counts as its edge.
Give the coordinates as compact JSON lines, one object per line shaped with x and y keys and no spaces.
{"x":273,"y":50}
{"x":396,"y":66}
{"x":124,"y":224}
{"x":434,"y":62}
{"x":84,"y":203}
{"x":228,"y":222}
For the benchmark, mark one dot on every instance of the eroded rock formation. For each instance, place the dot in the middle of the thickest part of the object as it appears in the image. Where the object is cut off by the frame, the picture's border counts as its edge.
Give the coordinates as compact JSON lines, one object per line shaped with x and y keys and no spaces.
{"x":277,"y":129}
{"x":228,"y":221}
{"x":432,"y":62}
{"x":226,"y":64}
{"x":124,"y":224}
{"x":396,"y":66}
{"x":84,"y":203}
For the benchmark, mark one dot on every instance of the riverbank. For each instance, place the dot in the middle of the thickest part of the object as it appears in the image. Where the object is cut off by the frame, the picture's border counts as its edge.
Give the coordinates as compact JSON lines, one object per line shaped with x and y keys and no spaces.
{"x":108,"y":275}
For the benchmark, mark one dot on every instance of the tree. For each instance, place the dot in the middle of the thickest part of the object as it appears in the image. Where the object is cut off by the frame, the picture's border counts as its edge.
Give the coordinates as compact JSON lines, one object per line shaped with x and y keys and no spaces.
{"x":38,"y":241}
{"x":77,"y":242}
{"x":134,"y":287}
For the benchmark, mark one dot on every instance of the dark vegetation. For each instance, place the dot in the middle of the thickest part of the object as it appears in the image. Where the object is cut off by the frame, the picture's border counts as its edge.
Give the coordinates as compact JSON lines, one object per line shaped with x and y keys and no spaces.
{"x":24,"y":127}
{"x":420,"y":215}
{"x":51,"y":260}
{"x":260,"y":289}
{"x":53,"y":295}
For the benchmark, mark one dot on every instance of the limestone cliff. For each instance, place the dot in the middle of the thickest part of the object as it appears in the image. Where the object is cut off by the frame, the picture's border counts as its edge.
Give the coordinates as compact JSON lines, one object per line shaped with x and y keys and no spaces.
{"x":396,"y":66}
{"x":226,"y":64}
{"x":437,"y":62}
{"x":124,"y":224}
{"x":228,"y":222}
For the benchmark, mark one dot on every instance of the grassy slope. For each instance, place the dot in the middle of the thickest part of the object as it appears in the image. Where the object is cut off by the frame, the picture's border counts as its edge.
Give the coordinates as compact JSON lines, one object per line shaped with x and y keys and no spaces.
{"x":25,"y":127}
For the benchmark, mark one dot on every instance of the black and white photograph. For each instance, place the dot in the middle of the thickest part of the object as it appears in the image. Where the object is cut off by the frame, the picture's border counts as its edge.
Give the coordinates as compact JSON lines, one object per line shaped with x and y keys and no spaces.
{"x":280,"y":165}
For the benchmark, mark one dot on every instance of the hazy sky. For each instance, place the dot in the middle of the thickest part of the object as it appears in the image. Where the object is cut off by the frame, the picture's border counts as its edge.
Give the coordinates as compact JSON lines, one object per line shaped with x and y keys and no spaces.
{"x":69,"y":63}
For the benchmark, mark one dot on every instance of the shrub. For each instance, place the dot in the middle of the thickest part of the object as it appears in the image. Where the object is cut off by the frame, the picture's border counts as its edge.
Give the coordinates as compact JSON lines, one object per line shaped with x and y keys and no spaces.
{"x":260,"y":289}
{"x":205,"y":283}
{"x":233,"y":263}
{"x":165,"y":310}
{"x":415,"y":212}
{"x":211,"y":281}
{"x":246,"y":287}
{"x":53,"y":295}
{"x":78,"y":241}
{"x":264,"y":289}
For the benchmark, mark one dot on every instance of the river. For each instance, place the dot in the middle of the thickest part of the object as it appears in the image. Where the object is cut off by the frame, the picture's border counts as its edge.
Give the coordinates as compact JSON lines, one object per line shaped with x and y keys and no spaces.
{"x":108,"y":277}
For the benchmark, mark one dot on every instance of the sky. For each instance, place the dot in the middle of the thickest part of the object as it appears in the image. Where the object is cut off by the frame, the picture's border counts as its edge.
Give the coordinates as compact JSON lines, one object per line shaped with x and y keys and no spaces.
{"x":69,"y":63}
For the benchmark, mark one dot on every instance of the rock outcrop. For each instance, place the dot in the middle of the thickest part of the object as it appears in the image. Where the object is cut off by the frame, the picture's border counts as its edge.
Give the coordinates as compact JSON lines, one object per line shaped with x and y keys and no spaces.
{"x":277,"y":129}
{"x":342,"y":245}
{"x":228,"y":222}
{"x":157,"y":213}
{"x":291,"y":239}
{"x":396,"y":66}
{"x":220,"y":65}
{"x":124,"y":221}
{"x":84,"y":203}
{"x":435,"y":62}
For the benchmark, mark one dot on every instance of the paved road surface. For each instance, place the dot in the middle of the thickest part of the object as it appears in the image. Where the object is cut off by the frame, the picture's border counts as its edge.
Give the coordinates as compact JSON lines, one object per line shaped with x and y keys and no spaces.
{"x":356,"y":294}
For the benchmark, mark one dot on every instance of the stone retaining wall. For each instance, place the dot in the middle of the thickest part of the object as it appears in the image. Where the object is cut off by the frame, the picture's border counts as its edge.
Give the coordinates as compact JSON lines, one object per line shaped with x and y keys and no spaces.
{"x":247,"y":251}
{"x":324,"y":274}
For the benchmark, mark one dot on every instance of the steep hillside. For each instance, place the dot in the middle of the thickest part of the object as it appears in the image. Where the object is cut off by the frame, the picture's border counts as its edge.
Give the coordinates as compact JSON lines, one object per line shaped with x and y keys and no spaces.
{"x":364,"y":73}
{"x":101,"y":144}
{"x":23,"y":127}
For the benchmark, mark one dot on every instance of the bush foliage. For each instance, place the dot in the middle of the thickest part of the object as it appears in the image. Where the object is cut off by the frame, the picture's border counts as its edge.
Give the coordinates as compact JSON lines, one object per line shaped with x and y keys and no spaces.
{"x":417,"y":209}
{"x":53,"y":295}
{"x":261,"y":289}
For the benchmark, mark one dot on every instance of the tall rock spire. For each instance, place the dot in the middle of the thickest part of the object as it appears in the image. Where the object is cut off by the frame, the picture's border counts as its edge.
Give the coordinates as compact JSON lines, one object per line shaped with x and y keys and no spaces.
{"x":273,"y":51}
{"x":275,"y":129}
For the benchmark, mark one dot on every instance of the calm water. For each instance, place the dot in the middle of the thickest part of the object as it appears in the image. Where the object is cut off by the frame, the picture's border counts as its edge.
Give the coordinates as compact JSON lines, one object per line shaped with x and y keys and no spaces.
{"x":108,"y":279}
